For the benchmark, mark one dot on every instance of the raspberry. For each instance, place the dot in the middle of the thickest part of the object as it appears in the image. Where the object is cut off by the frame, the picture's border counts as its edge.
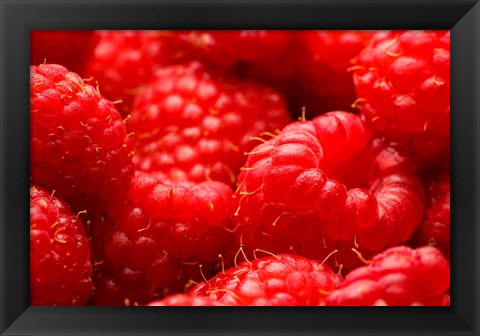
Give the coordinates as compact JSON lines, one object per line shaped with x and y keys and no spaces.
{"x":399,"y":276}
{"x":66,"y":47}
{"x":282,"y":280}
{"x":78,"y":140}
{"x":325,"y":64}
{"x":289,"y":199}
{"x":191,"y":125}
{"x":185,"y":300}
{"x":402,"y":80}
{"x":158,"y":236}
{"x":60,"y":268}
{"x":226,"y":47}
{"x":435,"y":229}
{"x":124,"y":61}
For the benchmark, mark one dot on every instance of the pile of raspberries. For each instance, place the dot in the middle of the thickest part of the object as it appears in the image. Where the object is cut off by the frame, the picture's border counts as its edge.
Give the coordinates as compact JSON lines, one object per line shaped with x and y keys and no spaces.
{"x":240,"y":168}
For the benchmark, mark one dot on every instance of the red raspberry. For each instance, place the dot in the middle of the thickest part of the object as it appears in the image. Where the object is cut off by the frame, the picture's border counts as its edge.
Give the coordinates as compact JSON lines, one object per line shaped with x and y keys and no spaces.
{"x":60,"y":268}
{"x":185,"y":300}
{"x":78,"y":140}
{"x":435,"y":229}
{"x":159,"y":235}
{"x":191,"y":125}
{"x":65,"y":47}
{"x":325,"y":64}
{"x":124,"y":61}
{"x":398,"y":276}
{"x":282,"y":280}
{"x":226,"y":47}
{"x":290,"y":200}
{"x":402,"y":80}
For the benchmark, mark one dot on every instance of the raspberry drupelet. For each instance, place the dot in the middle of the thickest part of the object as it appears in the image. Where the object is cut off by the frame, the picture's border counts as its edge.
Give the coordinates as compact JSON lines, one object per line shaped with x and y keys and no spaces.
{"x":326,"y":186}
{"x":124,"y":61}
{"x":60,"y":267}
{"x":402,"y":81}
{"x":399,"y":276}
{"x":158,"y":236}
{"x":191,"y":124}
{"x":78,"y":141}
{"x":279,"y":280}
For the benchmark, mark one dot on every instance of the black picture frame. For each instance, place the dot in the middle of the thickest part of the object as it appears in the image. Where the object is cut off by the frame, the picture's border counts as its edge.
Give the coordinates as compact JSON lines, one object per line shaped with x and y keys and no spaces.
{"x":18,"y":17}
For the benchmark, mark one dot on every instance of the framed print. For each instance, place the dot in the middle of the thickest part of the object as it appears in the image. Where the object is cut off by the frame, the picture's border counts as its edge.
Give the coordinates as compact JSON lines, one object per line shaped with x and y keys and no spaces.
{"x":295,"y":156}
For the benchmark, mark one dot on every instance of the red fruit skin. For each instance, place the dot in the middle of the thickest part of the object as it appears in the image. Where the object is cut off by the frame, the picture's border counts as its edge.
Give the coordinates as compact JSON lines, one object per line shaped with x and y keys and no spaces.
{"x":78,"y":141}
{"x":60,"y":267}
{"x":435,"y":229}
{"x":399,"y":276}
{"x":122,"y":62}
{"x":281,"y":280}
{"x":185,"y":300}
{"x":65,"y":47}
{"x":289,"y":199}
{"x":402,"y":81}
{"x":190,"y":124}
{"x":158,"y":236}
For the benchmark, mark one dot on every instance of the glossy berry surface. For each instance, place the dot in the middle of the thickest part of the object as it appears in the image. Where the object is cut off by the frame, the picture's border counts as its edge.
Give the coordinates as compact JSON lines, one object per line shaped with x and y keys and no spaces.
{"x":240,"y":168}
{"x":78,"y":141}
{"x":290,"y":200}
{"x":122,"y":62}
{"x":60,"y":267}
{"x":402,"y":80}
{"x":190,"y":124}
{"x":282,"y":280}
{"x":399,"y":276}
{"x":159,"y":235}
